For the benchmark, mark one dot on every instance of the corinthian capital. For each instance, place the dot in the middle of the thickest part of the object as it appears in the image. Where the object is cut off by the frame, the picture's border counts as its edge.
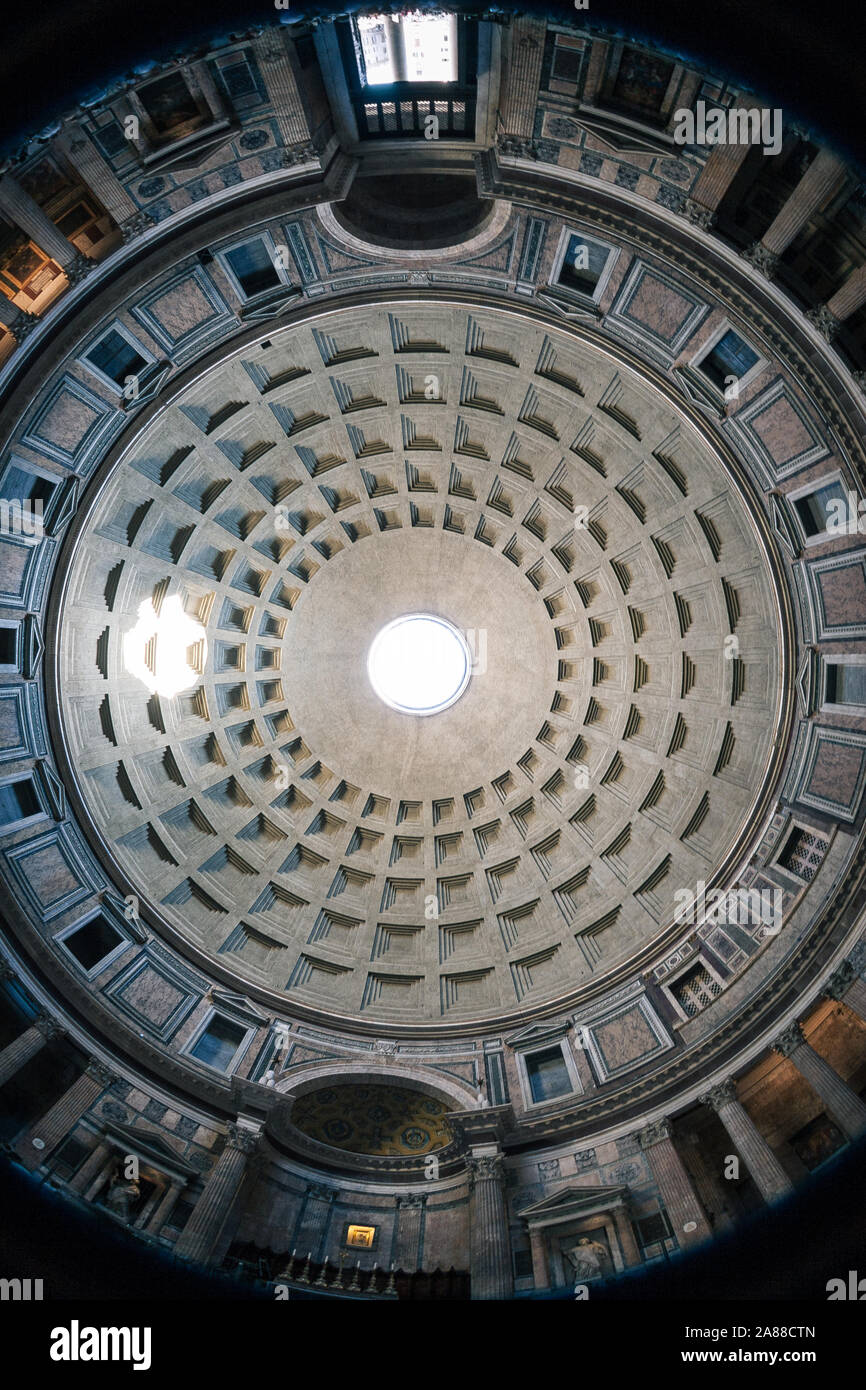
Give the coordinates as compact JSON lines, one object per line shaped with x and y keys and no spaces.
{"x":720,"y":1096}
{"x":789,"y":1040}
{"x":101,"y":1073}
{"x":761,"y":258}
{"x":243,"y":1138}
{"x":825,"y":321}
{"x":654,"y":1133}
{"x":48,"y":1027}
{"x":78,"y":267}
{"x":485,"y":1167}
{"x":698,"y":215}
{"x":841,"y":980}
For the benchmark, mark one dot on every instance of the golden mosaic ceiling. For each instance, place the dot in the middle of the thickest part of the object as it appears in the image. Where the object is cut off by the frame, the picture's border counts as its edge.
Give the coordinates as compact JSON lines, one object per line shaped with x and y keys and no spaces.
{"x":384,"y":1121}
{"x":524,"y":483}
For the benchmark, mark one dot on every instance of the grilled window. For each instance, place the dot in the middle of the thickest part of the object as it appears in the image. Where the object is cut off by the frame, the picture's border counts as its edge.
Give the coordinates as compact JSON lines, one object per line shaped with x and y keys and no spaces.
{"x":695,"y":990}
{"x":803,"y":853}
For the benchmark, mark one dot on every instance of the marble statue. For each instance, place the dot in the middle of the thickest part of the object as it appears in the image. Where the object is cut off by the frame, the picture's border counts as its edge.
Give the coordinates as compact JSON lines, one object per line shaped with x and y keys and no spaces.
{"x":122,"y":1192}
{"x":588,"y":1259}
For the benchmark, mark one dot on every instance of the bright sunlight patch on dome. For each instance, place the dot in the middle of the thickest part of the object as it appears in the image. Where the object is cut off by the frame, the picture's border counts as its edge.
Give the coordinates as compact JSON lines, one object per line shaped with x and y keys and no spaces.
{"x":166,"y":651}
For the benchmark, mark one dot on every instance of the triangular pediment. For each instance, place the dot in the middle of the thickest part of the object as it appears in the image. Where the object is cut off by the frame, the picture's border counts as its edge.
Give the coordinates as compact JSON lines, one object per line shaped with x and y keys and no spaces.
{"x":622,"y":137}
{"x":240,"y":1004}
{"x":574,"y":1199}
{"x":538,"y":1032}
{"x":783,"y":526}
{"x":148,"y":1145}
{"x":567,"y":308}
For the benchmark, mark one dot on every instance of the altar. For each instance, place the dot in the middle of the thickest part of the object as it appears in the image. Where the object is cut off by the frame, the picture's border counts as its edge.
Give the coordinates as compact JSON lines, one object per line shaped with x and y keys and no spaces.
{"x":580,"y":1234}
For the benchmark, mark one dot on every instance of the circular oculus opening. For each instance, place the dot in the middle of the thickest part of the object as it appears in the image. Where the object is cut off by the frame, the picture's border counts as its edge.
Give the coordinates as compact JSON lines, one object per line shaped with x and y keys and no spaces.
{"x":419,"y":664}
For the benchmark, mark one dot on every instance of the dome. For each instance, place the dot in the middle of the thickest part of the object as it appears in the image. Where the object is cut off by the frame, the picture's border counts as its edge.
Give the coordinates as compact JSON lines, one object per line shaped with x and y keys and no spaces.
{"x":630,"y":688}
{"x":431,"y":660}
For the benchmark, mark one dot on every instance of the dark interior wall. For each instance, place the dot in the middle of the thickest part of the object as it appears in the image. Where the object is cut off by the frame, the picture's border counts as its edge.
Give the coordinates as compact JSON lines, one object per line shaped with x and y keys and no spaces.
{"x":804,"y":56}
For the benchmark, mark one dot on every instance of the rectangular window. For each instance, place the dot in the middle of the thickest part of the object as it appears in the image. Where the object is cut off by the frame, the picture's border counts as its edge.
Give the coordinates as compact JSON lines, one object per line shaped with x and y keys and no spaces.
{"x":219,"y":1042}
{"x":652,"y":1228}
{"x":170,"y":104}
{"x":92,"y":942}
{"x":566,"y":63}
{"x":406,"y":48}
{"x":846,"y":684}
{"x":654,"y":1234}
{"x":402,"y":69}
{"x":548,"y":1075}
{"x":729,"y":357}
{"x":76,"y":219}
{"x":179,"y":1215}
{"x":523,"y":1264}
{"x":817,"y":1141}
{"x":238,"y":79}
{"x":803,"y":853}
{"x":9,"y":647}
{"x":69,"y":1158}
{"x":116,"y":357}
{"x":695,"y":990}
{"x":641,"y":84}
{"x":21,"y":484}
{"x":18,"y":801}
{"x":111,"y":139}
{"x":253,"y":268}
{"x":44,"y":181}
{"x":814,"y":511}
{"x":583,"y":265}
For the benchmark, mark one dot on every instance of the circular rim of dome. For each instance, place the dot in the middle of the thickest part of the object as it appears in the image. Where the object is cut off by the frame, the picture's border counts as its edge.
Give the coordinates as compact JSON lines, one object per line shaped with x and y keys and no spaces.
{"x":587,"y":991}
{"x":382,"y":680}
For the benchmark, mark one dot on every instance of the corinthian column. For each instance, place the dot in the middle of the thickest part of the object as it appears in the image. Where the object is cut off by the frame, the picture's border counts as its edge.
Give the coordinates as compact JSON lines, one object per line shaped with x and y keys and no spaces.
{"x":843,"y":1105}
{"x":850,"y":296}
{"x":411,"y":1210}
{"x":681,"y":1202}
{"x":203,"y":1228}
{"x":722,"y":166}
{"x":165,"y":1207}
{"x":92,"y":1167}
{"x":27,"y":1046}
{"x":846,"y":985}
{"x":823,"y":178}
{"x":489,"y":1240}
{"x":97,"y":175}
{"x":316,"y":1219}
{"x":770,"y":1177}
{"x":44,"y":1136}
{"x":520,"y":89}
{"x":278,"y":75}
{"x":24,"y":212}
{"x":18,"y":321}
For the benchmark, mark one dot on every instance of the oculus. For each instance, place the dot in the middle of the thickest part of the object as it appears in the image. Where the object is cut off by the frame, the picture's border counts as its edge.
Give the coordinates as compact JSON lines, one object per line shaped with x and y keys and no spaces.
{"x":419,"y":664}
